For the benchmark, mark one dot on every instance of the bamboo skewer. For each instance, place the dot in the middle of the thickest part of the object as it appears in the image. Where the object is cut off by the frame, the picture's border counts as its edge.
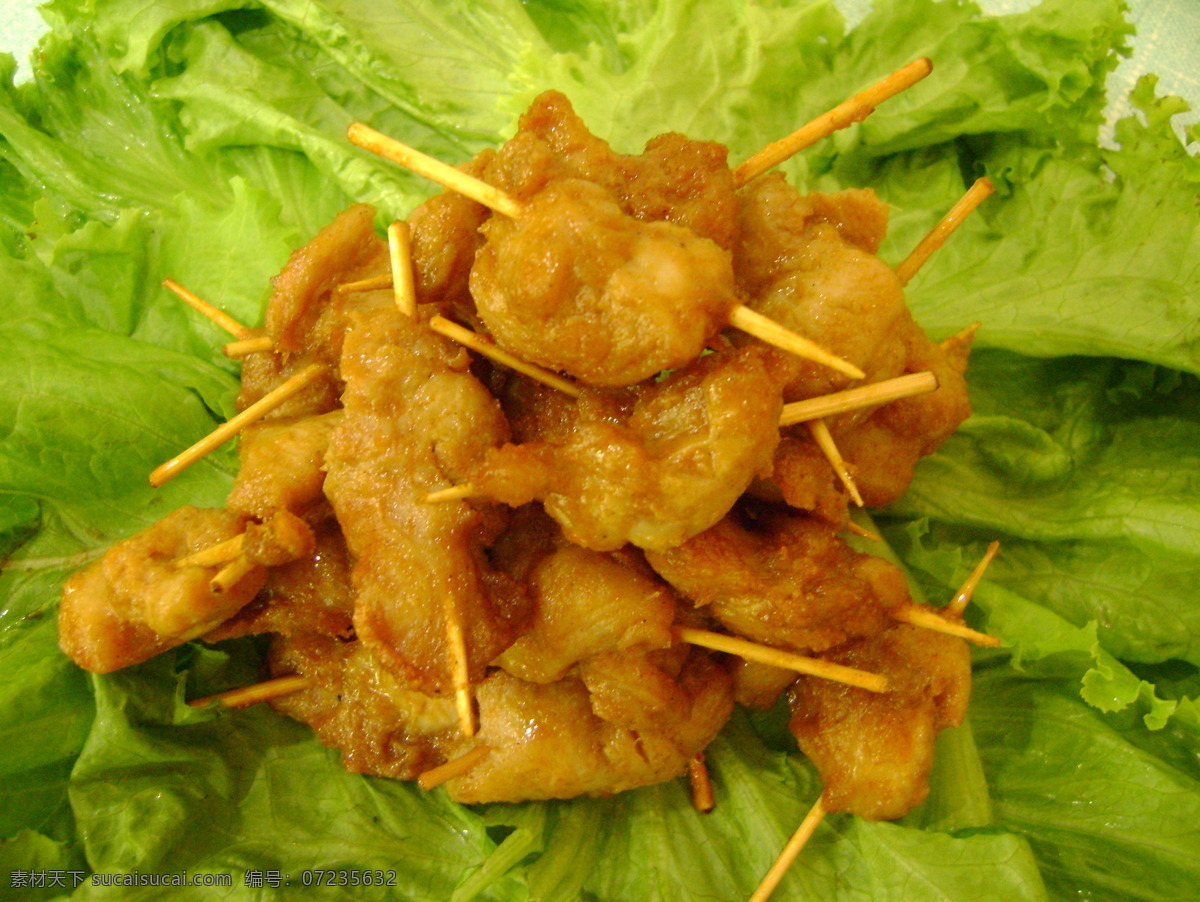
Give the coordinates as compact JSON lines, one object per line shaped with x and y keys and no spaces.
{"x":213,"y":555}
{"x":859,"y":530}
{"x":841,"y":116}
{"x":259,"y":692}
{"x":799,"y":839}
{"x":373,"y":283}
{"x":246,"y":346}
{"x":857,"y":398}
{"x":456,"y":767}
{"x":489,"y":349}
{"x":217,"y":315}
{"x":824,"y":439}
{"x":236,"y":424}
{"x":754,"y":323}
{"x":232,"y":573}
{"x":976,"y":194}
{"x":965,"y":592}
{"x":701,"y":785}
{"x":362,"y":135}
{"x":400,"y":255}
{"x":464,"y":698}
{"x":499,"y":201}
{"x":960,"y":337}
{"x":752,"y":651}
{"x":931,"y":619}
{"x":453,"y":493}
{"x":797,"y":412}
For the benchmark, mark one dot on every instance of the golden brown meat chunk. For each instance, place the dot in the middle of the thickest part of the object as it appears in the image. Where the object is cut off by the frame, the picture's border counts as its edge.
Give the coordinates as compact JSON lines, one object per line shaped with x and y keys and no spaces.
{"x":414,"y":419}
{"x":306,"y":315}
{"x":547,"y":742}
{"x":798,"y":268}
{"x":355,"y":704}
{"x":135,"y":602}
{"x":310,"y":594}
{"x":808,"y":261}
{"x":758,"y":685}
{"x":575,"y":284}
{"x":651,"y":465}
{"x":282,"y":467}
{"x":675,"y":179}
{"x":678,"y":693}
{"x":874,"y":750}
{"x":445,"y":239}
{"x":784,"y":580}
{"x":587,"y":603}
{"x":886,"y":445}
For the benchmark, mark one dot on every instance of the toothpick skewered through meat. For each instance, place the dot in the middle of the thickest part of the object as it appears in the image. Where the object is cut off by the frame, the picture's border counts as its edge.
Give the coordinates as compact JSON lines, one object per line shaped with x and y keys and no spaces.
{"x":413,"y":416}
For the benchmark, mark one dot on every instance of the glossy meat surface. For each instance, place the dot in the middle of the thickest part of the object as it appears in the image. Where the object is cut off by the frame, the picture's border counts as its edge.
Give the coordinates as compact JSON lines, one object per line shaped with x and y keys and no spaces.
{"x":306,"y":315}
{"x":586,"y":604}
{"x":578,"y":285}
{"x":135,"y":602}
{"x":414,"y":419}
{"x":808,"y":261}
{"x":281,"y":466}
{"x":356,"y":704}
{"x":874,"y":751}
{"x":652,"y":465}
{"x":311,"y":594}
{"x":784,"y":580}
{"x":547,"y":742}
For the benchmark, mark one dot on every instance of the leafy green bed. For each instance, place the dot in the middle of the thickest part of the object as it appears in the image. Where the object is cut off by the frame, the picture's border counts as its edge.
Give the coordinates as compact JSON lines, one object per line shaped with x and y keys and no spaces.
{"x":202,"y":139}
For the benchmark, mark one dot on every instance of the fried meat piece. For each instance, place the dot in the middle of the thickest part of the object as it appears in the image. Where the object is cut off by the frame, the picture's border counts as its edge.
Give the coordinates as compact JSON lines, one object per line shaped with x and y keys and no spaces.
{"x":808,"y":261}
{"x":281,"y":467}
{"x":675,"y":179}
{"x":310,"y":594}
{"x":306,"y":315}
{"x":785,"y":580}
{"x":887,"y":444}
{"x":445,"y":239}
{"x":548,"y":742}
{"x":651,"y":465}
{"x":414,"y":418}
{"x":135,"y":602}
{"x":874,"y":750}
{"x":757,"y":685}
{"x":354,"y":703}
{"x":798,"y":267}
{"x":575,"y":284}
{"x":587,"y":603}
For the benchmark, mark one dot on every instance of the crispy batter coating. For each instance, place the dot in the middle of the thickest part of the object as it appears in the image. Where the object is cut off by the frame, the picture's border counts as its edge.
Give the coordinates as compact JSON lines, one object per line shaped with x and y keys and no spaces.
{"x":808,"y":261}
{"x":306,"y":316}
{"x":135,"y":602}
{"x":281,"y":466}
{"x":651,"y":465}
{"x":797,"y":267}
{"x":414,"y":418}
{"x":356,"y":704}
{"x":548,"y":742}
{"x":675,"y":179}
{"x":578,"y":285}
{"x":785,"y":580}
{"x":587,"y":603}
{"x":310,"y":594}
{"x":622,"y":271}
{"x":874,"y":750}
